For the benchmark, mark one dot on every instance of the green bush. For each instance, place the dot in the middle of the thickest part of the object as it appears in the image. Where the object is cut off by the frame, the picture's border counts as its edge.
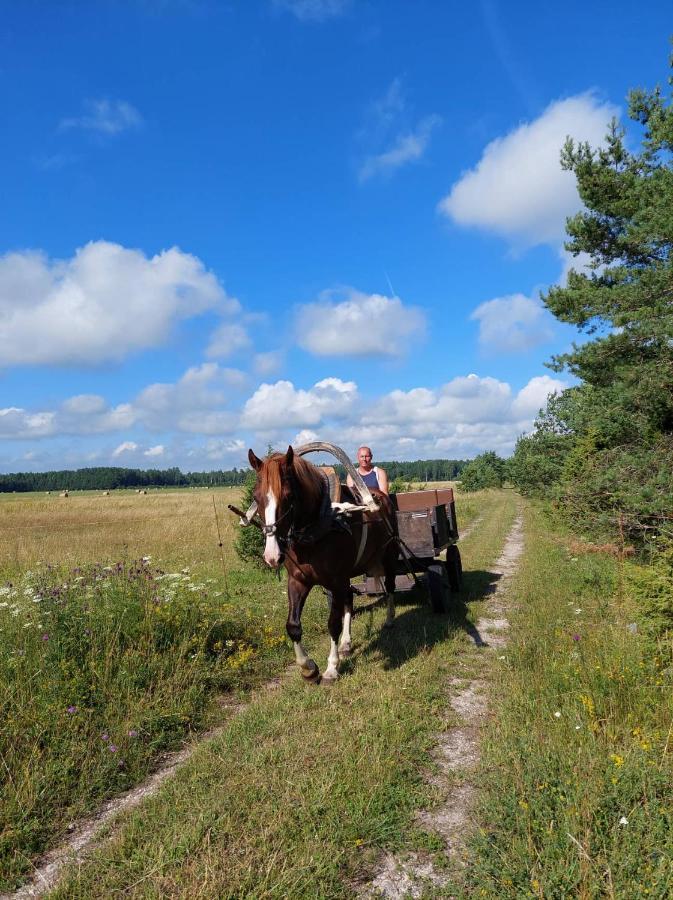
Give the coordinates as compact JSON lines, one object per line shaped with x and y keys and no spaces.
{"x":484,"y":471}
{"x":249,"y":543}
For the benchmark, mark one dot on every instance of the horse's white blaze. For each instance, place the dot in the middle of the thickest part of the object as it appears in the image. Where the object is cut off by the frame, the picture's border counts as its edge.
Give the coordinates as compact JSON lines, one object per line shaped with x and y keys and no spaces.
{"x":271,"y":548}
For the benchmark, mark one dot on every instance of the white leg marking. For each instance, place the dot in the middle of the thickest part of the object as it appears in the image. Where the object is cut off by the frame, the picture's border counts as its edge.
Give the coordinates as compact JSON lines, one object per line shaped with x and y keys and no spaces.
{"x":331,"y":673}
{"x":345,"y":642}
{"x":304,"y":661}
{"x":271,"y":548}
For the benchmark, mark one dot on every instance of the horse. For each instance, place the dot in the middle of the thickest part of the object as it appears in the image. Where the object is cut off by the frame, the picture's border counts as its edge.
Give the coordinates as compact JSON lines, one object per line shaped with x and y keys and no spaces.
{"x":293,"y":503}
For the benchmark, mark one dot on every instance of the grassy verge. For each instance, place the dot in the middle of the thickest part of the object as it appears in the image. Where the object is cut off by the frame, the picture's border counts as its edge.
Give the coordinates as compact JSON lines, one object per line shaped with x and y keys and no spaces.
{"x":299,"y":794}
{"x":577,"y":772}
{"x":101,"y":669}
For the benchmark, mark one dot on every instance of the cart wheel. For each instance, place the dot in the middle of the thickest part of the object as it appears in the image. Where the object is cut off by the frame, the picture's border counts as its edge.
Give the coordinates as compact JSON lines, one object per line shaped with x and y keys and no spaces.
{"x":438,"y":586}
{"x":454,"y":568}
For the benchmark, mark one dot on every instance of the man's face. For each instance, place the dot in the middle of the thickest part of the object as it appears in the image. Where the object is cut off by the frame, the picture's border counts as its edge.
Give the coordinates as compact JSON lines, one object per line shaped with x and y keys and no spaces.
{"x":365,"y":457}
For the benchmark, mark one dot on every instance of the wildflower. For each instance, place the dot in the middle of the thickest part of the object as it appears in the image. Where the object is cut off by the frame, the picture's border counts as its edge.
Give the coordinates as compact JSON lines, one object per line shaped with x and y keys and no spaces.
{"x":71,"y":710}
{"x":133,"y":733}
{"x":45,"y":637}
{"x":112,"y":748}
{"x":105,"y":736}
{"x":577,"y":727}
{"x":577,"y":610}
{"x":576,"y":637}
{"x":557,"y":714}
{"x":617,"y":759}
{"x":623,"y":821}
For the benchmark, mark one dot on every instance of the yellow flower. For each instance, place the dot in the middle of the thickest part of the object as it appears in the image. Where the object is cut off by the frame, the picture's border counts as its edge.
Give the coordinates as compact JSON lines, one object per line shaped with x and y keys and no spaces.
{"x":617,"y":759}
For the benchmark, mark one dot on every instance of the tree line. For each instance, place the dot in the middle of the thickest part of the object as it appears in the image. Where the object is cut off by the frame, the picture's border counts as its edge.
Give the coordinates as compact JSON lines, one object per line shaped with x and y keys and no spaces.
{"x":111,"y":477}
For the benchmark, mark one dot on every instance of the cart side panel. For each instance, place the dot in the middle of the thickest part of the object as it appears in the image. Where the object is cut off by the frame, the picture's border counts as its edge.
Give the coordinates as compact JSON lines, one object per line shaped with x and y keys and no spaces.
{"x":446,"y":497}
{"x":424,"y":531}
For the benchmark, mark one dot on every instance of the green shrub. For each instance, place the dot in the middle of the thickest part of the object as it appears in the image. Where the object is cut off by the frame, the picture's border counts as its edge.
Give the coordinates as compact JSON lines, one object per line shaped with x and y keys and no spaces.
{"x":484,"y":471}
{"x":249,"y":543}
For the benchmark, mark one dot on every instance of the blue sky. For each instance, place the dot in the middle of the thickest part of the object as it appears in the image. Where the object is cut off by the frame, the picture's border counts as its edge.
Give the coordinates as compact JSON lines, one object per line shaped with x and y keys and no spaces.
{"x":229,"y":224}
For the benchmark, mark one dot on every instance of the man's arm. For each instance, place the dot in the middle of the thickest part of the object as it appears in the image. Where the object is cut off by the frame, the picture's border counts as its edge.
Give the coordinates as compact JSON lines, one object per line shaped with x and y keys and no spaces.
{"x":382,"y":479}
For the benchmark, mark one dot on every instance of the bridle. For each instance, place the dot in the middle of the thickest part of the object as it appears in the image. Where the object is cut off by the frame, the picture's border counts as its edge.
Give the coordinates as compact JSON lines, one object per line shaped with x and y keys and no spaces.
{"x":272,"y":530}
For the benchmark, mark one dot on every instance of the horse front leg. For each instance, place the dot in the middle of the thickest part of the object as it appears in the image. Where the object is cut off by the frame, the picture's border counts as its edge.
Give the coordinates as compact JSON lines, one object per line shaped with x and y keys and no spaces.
{"x":296,"y":597}
{"x":334,"y":625}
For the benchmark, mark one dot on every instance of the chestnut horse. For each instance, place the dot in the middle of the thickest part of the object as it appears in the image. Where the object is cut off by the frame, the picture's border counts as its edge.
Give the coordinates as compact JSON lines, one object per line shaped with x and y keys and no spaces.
{"x":300,"y":532}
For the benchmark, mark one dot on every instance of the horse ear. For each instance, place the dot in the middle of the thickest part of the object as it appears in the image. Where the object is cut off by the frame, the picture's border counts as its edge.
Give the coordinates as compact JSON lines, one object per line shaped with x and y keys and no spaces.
{"x":255,"y":461}
{"x":289,"y":456}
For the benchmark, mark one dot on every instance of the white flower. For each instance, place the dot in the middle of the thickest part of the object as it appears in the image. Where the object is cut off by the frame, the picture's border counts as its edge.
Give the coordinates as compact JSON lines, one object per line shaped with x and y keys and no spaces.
{"x":146,"y":559}
{"x":5,"y":591}
{"x":557,"y":714}
{"x":577,"y":611}
{"x":577,"y":727}
{"x":4,"y":605}
{"x":623,"y":821}
{"x":502,"y":657}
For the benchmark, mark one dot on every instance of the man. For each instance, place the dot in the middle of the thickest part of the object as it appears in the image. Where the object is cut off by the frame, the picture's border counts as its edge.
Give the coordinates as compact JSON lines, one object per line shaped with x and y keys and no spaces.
{"x":373,"y":476}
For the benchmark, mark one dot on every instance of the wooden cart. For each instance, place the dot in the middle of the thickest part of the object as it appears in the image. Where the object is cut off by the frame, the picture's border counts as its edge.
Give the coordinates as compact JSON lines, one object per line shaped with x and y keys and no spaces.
{"x":426,"y":524}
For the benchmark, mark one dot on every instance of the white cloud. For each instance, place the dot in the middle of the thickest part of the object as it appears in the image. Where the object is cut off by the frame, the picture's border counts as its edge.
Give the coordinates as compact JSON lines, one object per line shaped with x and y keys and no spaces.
{"x":314,"y":10}
{"x":512,"y":324}
{"x":158,"y":450}
{"x":406,"y":148}
{"x":360,"y":325}
{"x":281,"y":405}
{"x":108,"y":117}
{"x":104,"y":303}
{"x":125,"y":447}
{"x":197,"y":402}
{"x":20,"y":423}
{"x":533,"y":396}
{"x":227,"y":339}
{"x":268,"y":363}
{"x":518,"y":189}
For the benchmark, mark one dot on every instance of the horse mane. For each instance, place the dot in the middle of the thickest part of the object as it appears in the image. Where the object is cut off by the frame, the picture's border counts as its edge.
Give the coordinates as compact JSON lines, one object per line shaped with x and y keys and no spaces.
{"x":310,"y":481}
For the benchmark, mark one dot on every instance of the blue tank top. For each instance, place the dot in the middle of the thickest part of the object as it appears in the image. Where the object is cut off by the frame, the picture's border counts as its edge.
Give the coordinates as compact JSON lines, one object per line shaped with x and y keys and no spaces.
{"x":370,"y":479}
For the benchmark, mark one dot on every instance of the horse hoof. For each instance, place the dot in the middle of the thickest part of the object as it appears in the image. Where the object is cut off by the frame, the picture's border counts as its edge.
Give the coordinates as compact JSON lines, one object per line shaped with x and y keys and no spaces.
{"x":345,"y":651}
{"x":311,"y":674}
{"x":329,"y":678}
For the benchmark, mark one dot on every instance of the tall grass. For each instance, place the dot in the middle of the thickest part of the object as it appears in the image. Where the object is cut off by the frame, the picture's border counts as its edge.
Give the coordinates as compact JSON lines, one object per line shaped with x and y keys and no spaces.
{"x":102,"y":667}
{"x":577,"y":776}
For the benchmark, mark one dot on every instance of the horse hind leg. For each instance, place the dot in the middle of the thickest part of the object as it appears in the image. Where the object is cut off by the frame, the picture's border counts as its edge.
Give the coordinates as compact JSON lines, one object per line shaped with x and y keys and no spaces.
{"x":345,"y":647}
{"x":334,"y":624}
{"x":390,"y":599}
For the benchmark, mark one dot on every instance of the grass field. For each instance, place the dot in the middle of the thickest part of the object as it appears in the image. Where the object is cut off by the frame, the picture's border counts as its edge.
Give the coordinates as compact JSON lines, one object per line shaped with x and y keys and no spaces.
{"x":305,"y":787}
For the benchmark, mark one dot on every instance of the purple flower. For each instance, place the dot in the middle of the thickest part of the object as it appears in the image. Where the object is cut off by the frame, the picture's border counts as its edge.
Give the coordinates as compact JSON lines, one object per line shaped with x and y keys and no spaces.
{"x":112,"y":748}
{"x":71,"y":710}
{"x":105,"y":736}
{"x":133,"y":733}
{"x":45,"y":637}
{"x":576,"y":637}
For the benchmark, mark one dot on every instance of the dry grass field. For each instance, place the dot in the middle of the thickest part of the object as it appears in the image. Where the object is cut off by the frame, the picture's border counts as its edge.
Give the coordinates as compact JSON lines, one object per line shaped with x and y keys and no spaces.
{"x":172,"y":526}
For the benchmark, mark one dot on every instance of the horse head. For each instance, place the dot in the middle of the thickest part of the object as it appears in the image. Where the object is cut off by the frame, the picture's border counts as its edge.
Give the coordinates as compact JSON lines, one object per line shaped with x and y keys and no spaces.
{"x":275,"y":501}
